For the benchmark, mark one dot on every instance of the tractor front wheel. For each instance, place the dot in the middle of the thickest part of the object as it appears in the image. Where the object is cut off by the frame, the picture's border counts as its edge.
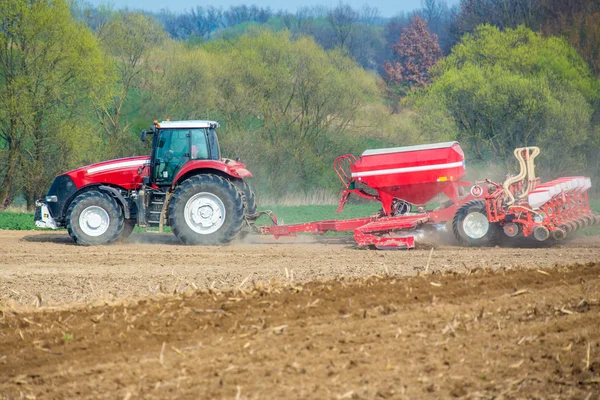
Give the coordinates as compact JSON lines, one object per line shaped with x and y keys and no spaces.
{"x":128,"y":227}
{"x":206,"y":210}
{"x":94,"y":218}
{"x":472,"y":227}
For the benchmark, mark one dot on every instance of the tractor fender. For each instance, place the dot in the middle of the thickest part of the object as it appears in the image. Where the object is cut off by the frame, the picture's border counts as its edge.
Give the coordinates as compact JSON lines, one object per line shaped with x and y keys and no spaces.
{"x":61,"y":212}
{"x":230,"y":169}
{"x":116,"y":194}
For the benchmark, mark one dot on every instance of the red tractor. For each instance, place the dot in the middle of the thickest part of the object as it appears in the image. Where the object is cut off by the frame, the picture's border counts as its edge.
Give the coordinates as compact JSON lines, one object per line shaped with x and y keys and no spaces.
{"x":184,"y":184}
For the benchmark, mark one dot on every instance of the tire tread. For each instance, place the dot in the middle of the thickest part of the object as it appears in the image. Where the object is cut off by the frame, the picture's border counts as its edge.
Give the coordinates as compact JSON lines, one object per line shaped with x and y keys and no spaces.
{"x":99,"y":196}
{"x":491,"y":238}
{"x":195,"y":184}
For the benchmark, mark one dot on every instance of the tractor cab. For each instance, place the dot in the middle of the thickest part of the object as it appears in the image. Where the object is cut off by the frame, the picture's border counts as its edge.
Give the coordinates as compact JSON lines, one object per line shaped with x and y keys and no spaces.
{"x":176,"y":143}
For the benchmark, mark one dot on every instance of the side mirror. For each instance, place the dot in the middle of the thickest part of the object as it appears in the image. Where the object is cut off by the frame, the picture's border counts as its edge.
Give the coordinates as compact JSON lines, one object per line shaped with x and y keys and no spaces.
{"x":143,"y":136}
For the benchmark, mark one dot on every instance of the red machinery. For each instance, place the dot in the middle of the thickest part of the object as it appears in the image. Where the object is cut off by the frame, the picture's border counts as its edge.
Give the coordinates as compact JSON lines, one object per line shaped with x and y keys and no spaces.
{"x":524,"y":205}
{"x":184,"y":183}
{"x":406,"y":178}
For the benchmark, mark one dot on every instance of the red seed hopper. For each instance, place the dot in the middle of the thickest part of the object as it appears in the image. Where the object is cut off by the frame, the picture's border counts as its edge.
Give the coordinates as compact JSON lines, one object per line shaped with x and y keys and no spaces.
{"x":414,"y":174}
{"x":403,"y":179}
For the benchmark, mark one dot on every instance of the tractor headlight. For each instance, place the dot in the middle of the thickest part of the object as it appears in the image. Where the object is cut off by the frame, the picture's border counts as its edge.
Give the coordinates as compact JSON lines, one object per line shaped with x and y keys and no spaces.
{"x":51,"y":199}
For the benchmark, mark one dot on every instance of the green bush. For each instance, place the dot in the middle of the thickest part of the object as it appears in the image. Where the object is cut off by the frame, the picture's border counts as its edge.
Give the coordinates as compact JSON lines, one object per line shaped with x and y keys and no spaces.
{"x":500,"y":90}
{"x":17,"y":221}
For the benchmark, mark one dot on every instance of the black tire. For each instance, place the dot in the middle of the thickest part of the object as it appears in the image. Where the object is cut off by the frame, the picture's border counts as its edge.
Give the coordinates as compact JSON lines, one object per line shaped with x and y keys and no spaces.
{"x":105,"y":202}
{"x":218,"y":187}
{"x":128,"y":227}
{"x":490,"y":237}
{"x":250,"y":205}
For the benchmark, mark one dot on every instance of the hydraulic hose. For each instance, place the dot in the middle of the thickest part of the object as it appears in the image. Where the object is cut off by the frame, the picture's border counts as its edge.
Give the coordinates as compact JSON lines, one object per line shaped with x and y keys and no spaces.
{"x":535,"y":151}
{"x":527,"y":170}
{"x":507,"y":184}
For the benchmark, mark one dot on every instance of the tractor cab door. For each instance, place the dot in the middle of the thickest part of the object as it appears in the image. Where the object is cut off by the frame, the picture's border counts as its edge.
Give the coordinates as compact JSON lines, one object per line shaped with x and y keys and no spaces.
{"x":173,"y":148}
{"x":170,"y":154}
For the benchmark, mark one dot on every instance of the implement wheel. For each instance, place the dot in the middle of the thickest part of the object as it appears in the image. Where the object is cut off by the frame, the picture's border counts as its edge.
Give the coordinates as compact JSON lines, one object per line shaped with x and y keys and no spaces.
{"x":206,"y":210}
{"x":472,"y":227}
{"x":94,"y":218}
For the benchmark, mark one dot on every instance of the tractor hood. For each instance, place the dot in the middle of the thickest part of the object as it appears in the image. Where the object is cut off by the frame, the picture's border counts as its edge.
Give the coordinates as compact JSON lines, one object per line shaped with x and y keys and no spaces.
{"x":129,"y":172}
{"x":123,"y":172}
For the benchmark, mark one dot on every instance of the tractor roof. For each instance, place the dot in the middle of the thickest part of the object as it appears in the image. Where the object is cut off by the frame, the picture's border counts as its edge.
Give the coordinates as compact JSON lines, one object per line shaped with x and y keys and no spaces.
{"x":188,"y":124}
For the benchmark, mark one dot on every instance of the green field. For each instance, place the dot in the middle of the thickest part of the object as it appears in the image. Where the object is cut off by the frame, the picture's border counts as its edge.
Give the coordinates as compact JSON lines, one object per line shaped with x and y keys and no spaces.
{"x":285,"y":214}
{"x":18,"y":221}
{"x":299,"y":214}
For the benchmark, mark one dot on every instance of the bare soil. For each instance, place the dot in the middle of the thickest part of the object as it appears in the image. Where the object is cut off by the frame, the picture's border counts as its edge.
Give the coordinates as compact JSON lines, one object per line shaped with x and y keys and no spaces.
{"x":49,"y":267}
{"x":126,"y":321}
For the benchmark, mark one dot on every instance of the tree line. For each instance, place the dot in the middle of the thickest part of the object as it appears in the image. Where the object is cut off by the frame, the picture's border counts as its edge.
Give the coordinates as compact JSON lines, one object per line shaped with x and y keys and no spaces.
{"x":294,"y":90}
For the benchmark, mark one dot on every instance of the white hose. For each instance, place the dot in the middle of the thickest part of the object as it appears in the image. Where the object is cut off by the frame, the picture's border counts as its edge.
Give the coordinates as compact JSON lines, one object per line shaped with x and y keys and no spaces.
{"x":527,"y":170}
{"x":523,"y":172}
{"x":535,"y":151}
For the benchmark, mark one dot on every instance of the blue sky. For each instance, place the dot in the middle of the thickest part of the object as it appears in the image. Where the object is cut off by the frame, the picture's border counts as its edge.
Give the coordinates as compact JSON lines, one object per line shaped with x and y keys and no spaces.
{"x":387,"y":8}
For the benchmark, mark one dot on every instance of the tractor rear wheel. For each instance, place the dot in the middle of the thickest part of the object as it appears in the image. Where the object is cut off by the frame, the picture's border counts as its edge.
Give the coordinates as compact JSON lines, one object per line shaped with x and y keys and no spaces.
{"x":250,"y":206}
{"x":472,"y":227}
{"x":206,"y":210}
{"x":94,"y":218}
{"x":246,"y":190}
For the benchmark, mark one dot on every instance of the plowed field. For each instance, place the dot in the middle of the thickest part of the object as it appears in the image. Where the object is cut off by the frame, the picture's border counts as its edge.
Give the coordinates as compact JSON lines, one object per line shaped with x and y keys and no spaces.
{"x":296,"y":319}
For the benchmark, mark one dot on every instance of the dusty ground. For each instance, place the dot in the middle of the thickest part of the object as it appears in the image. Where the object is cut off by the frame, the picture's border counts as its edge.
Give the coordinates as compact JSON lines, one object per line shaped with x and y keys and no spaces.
{"x":477,"y":323}
{"x":507,"y":334}
{"x":48,"y":267}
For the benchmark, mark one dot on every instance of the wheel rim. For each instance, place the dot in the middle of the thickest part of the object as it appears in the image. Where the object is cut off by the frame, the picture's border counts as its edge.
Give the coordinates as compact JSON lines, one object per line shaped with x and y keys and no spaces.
{"x":94,"y":221}
{"x":476,"y":225}
{"x":204,"y":213}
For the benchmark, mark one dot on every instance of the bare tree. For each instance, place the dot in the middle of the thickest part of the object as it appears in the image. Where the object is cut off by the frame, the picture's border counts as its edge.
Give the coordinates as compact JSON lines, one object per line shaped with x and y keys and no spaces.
{"x":433,"y":11}
{"x":369,"y":15}
{"x":129,"y":39}
{"x":342,"y":20}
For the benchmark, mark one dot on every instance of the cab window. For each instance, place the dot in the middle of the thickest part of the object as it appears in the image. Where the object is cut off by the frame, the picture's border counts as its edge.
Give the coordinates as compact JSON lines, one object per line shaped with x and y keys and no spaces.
{"x":171,"y":153}
{"x":199,"y":145}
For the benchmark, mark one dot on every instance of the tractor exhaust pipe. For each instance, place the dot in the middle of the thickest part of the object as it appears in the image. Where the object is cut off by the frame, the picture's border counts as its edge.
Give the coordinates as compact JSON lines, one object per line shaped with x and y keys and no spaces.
{"x":141,"y":208}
